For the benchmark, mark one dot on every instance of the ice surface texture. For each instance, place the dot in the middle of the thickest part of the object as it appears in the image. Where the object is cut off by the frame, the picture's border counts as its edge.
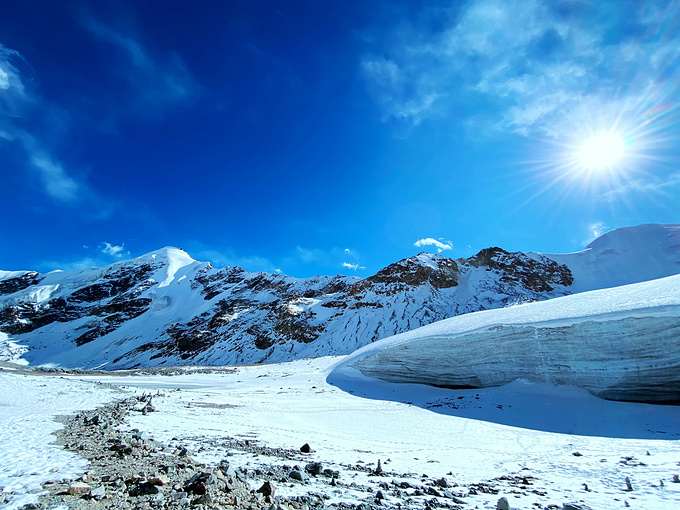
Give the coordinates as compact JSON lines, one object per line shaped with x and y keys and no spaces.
{"x":619,"y":344}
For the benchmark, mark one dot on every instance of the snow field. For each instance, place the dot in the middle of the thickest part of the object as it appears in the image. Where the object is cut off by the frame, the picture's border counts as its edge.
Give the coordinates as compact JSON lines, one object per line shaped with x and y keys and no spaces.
{"x":287,"y":405}
{"x":28,"y":453}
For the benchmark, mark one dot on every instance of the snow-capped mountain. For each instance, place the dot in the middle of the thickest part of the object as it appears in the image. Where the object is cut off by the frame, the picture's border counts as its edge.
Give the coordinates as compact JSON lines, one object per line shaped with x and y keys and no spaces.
{"x":166,"y":308}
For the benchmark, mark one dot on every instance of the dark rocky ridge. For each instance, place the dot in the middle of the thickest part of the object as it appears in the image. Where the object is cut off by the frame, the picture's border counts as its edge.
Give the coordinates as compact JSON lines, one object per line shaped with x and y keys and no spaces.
{"x":249,"y":317}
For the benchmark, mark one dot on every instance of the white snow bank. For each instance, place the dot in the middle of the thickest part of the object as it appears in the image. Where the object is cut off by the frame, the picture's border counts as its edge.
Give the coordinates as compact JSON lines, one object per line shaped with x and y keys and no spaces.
{"x":621,"y":343}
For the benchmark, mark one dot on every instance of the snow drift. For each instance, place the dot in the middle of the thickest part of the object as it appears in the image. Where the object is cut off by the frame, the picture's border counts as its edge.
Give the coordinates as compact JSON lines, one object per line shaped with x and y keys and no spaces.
{"x":620,"y":344}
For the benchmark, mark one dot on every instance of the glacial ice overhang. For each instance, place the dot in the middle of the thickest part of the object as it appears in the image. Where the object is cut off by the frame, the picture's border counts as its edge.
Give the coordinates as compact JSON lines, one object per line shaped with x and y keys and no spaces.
{"x":621,"y":343}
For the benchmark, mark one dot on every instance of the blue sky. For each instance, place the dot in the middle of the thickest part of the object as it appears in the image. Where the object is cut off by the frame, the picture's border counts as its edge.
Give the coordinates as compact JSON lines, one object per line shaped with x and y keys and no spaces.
{"x":330,"y":137}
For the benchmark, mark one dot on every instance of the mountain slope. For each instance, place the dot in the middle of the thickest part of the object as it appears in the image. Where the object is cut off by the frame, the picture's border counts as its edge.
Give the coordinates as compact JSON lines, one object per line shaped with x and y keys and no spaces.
{"x":624,"y":256}
{"x":166,"y":308}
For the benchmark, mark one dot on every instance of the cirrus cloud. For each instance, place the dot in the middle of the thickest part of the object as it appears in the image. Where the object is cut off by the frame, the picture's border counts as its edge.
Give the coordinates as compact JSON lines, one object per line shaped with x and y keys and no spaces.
{"x":571,"y":63}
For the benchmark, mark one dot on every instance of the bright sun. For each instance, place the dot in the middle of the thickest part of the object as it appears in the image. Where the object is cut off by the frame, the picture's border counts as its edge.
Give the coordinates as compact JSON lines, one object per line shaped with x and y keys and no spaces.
{"x":601,"y":151}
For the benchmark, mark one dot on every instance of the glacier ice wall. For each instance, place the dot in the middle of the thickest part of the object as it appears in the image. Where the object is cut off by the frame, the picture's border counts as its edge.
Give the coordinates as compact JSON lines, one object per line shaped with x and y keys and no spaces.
{"x":624,"y":358}
{"x":621,"y":343}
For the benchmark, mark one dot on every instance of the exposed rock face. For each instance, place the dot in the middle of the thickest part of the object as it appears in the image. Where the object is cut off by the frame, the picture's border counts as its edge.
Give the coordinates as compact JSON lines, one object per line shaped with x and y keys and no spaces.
{"x":139,"y":314}
{"x":17,"y":283}
{"x":112,"y":300}
{"x":539,"y":274}
{"x":417,"y":271}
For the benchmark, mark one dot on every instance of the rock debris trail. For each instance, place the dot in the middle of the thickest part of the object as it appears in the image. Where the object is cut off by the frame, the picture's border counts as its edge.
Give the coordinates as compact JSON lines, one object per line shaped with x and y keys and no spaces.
{"x":130,"y":470}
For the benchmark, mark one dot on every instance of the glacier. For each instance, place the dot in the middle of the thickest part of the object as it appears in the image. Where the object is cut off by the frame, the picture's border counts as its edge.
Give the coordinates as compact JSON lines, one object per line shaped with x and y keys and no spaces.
{"x":621,"y":343}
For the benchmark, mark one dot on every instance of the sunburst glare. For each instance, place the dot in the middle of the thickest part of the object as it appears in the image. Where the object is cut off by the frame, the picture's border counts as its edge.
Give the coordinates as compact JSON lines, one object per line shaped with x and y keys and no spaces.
{"x":602,"y":151}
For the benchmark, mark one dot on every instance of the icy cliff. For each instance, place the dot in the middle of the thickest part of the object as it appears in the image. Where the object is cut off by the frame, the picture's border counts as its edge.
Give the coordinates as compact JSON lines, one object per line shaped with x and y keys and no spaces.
{"x":620,"y":344}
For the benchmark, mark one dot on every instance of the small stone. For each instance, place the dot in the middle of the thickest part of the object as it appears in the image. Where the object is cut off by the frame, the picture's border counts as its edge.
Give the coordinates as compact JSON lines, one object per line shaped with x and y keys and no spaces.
{"x":54,"y":469}
{"x":159,"y":480}
{"x":629,"y":485}
{"x":305,"y":448}
{"x":313,"y":468}
{"x":503,"y":504}
{"x":331,"y":474}
{"x":298,"y":475}
{"x":441,"y":482}
{"x":378,"y":469}
{"x":379,"y":495}
{"x":79,"y":488}
{"x":144,"y":489}
{"x":267,"y":489}
{"x":577,"y":454}
{"x":98,"y":493}
{"x":574,"y":506}
{"x":676,"y":479}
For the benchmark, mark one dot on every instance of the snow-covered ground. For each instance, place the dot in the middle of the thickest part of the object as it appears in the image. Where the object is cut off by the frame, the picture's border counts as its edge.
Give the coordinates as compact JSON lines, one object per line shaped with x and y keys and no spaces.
{"x":28,"y":407}
{"x":569,"y":445}
{"x":440,"y":431}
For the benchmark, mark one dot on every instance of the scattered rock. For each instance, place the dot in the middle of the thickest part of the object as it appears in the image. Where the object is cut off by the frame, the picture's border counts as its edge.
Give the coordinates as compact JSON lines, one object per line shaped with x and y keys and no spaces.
{"x":575,"y":506}
{"x":629,"y":485}
{"x":98,"y":493}
{"x":267,"y":489}
{"x":441,"y":482}
{"x":305,"y":448}
{"x":577,"y":454}
{"x":314,"y":468}
{"x":159,"y":480}
{"x":298,"y":475}
{"x":79,"y":488}
{"x":503,"y":504}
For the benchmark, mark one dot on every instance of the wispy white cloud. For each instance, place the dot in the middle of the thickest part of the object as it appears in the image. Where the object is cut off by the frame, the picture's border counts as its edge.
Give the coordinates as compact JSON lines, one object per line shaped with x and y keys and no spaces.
{"x":113,"y":250}
{"x":560,"y":68}
{"x":429,"y":241}
{"x":13,"y":95}
{"x":15,"y":102}
{"x":159,"y":80}
{"x":56,"y":182}
{"x":650,"y":185}
{"x":353,"y":267}
{"x":595,"y":230}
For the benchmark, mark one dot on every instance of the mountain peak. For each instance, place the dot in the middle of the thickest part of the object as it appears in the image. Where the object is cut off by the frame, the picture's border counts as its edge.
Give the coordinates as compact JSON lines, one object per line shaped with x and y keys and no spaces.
{"x":168,"y":254}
